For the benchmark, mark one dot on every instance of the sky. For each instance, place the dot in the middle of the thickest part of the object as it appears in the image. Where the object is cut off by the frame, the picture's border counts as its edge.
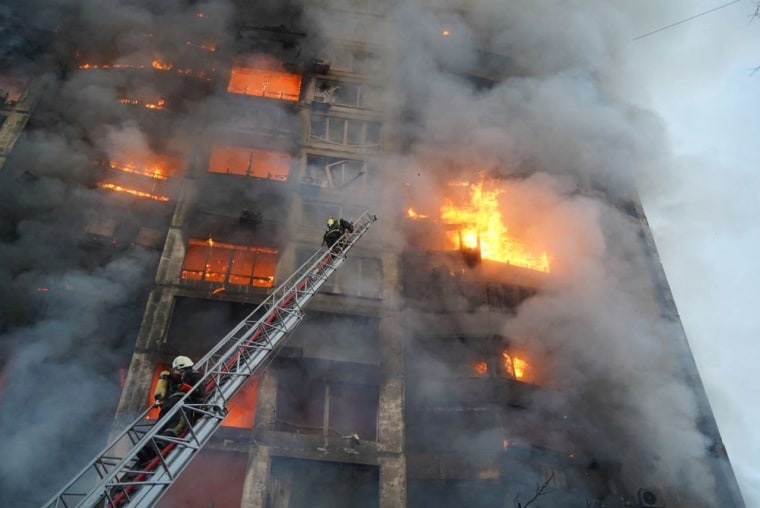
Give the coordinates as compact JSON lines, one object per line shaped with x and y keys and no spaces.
{"x":700,"y":81}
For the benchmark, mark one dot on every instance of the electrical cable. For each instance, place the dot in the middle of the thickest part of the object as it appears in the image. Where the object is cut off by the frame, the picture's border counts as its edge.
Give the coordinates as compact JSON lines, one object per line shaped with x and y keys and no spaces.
{"x":685,"y":20}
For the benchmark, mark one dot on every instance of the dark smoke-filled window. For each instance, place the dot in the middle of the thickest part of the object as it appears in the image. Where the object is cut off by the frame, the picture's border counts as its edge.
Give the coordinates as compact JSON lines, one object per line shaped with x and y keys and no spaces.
{"x":314,"y":213}
{"x":298,"y":483}
{"x":198,"y":324}
{"x":359,"y":276}
{"x":338,"y":337}
{"x":345,"y":131}
{"x":352,"y":60}
{"x":335,"y":172}
{"x":212,"y":479}
{"x":454,"y":429}
{"x":219,"y":262}
{"x":264,"y":76}
{"x":238,"y":160}
{"x":309,"y":405}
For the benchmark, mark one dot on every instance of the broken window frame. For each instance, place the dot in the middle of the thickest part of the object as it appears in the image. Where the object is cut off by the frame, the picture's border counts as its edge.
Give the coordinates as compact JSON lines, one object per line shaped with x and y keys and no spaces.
{"x":364,"y":94}
{"x":334,"y":173}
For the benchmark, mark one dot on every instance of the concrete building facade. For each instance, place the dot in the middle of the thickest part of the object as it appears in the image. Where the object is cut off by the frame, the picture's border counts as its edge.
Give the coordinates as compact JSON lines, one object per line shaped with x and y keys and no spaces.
{"x":403,"y":386}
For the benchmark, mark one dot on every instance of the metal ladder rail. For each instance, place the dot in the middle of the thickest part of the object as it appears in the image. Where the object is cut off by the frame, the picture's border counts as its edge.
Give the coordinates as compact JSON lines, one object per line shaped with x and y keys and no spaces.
{"x":226,"y":368}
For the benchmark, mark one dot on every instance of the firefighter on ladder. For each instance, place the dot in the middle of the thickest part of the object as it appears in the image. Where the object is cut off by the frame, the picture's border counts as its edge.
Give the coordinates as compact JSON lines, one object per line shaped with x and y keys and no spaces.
{"x":171,"y":387}
{"x":336,"y":228}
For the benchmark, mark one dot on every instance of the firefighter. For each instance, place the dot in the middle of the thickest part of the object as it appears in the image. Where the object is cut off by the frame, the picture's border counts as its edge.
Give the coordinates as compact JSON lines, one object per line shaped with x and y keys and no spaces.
{"x":180,"y":381}
{"x":336,"y":228}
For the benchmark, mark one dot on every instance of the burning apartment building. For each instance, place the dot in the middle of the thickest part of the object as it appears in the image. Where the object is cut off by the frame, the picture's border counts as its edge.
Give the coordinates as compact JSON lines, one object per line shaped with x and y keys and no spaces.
{"x":503,"y":337}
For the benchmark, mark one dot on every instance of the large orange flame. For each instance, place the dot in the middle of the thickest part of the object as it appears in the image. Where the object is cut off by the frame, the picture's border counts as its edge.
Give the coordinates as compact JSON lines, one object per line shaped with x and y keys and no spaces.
{"x":479,"y":224}
{"x":516,"y":367}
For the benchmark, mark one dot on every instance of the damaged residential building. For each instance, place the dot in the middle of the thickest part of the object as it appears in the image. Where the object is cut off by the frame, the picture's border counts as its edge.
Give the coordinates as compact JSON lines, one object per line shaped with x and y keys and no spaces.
{"x":219,"y":153}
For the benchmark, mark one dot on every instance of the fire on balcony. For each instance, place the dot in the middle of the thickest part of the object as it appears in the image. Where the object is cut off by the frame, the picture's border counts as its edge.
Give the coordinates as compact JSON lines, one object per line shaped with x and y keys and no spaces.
{"x":472,"y":221}
{"x":264,"y":76}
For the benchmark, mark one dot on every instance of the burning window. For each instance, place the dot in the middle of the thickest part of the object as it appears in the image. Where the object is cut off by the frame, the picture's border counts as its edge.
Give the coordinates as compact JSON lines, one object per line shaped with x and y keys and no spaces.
{"x":345,"y":131}
{"x":238,"y":160}
{"x":472,"y":222}
{"x":516,"y":366}
{"x":242,"y":407}
{"x":143,"y":177}
{"x":264,"y":76}
{"x":212,"y":261}
{"x":155,"y":166}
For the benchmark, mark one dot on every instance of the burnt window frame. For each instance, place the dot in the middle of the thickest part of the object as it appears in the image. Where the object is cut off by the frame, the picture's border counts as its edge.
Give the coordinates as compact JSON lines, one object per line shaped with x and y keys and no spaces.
{"x":334,"y":130}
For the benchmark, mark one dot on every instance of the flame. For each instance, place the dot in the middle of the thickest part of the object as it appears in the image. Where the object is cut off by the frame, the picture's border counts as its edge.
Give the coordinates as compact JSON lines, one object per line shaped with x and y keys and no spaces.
{"x":481,"y":226}
{"x":445,"y":32}
{"x":414,"y":215}
{"x":158,"y":64}
{"x":154,"y":171}
{"x":218,"y":290}
{"x":264,"y":77}
{"x":481,"y":368}
{"x":516,"y":368}
{"x":133,"y":192}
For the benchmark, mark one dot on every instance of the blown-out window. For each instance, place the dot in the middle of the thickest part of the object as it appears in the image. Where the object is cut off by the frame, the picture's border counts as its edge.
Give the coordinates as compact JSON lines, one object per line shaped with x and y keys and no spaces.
{"x":212,"y":261}
{"x":334,"y":173}
{"x":354,"y":95}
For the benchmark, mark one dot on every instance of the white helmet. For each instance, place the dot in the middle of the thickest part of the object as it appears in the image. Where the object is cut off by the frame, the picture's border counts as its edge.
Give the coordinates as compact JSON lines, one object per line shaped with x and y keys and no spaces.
{"x":182,"y":362}
{"x":330,"y":221}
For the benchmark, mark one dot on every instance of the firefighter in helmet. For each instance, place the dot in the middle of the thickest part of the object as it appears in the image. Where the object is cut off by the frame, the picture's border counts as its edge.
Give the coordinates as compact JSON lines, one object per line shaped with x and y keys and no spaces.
{"x":336,"y":228}
{"x":178,"y":382}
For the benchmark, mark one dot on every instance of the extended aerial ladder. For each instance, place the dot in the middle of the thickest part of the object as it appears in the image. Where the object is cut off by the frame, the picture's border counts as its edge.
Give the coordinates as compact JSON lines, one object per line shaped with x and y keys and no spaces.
{"x":121,"y":477}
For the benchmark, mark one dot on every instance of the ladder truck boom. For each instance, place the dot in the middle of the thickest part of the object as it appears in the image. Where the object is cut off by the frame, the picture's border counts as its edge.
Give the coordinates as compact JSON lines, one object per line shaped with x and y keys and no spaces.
{"x":118,"y":477}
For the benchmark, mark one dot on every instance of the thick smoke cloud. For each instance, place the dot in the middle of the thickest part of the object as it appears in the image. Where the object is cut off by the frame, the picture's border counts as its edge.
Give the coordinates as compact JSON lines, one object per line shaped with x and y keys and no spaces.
{"x":561,"y":116}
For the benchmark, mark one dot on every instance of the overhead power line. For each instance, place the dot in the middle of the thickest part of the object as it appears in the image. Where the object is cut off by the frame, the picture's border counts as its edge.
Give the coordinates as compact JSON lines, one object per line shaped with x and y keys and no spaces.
{"x":687,"y":19}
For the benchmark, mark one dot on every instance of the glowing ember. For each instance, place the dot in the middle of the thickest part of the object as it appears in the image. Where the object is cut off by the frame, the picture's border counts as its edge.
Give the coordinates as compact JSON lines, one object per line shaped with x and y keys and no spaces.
{"x":206,"y":47}
{"x":480,"y":226}
{"x":159,"y":104}
{"x":515,"y":367}
{"x":133,"y":192}
{"x":264,"y":77}
{"x":481,"y":368}
{"x":113,"y":66}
